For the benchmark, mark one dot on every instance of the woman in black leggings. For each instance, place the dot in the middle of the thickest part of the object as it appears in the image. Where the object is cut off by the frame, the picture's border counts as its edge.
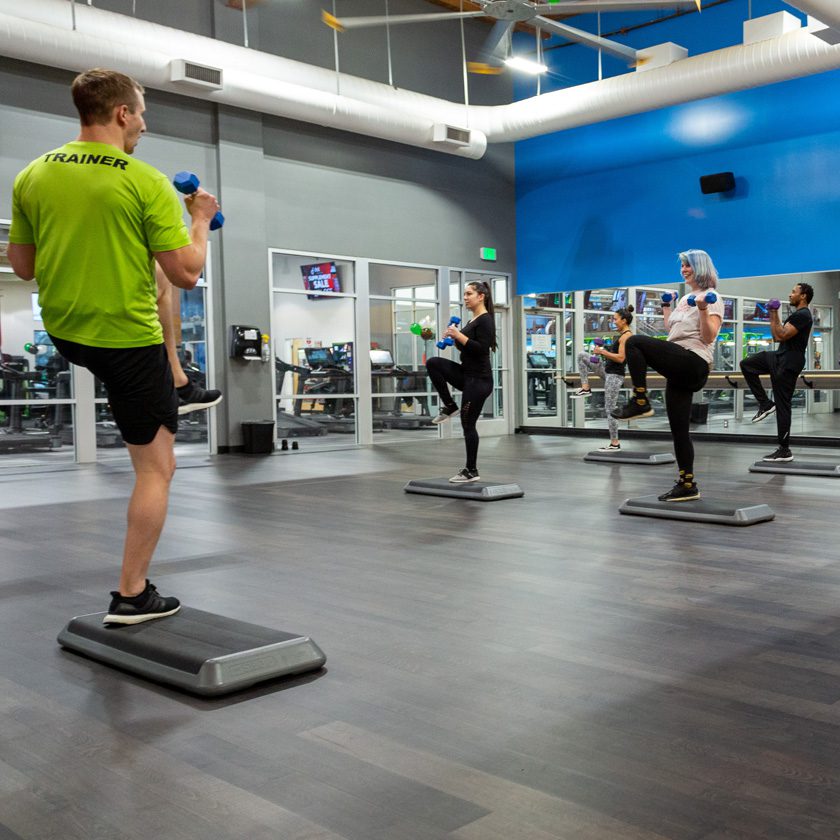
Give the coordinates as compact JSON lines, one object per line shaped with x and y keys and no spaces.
{"x":473,"y":377}
{"x":684,"y":360}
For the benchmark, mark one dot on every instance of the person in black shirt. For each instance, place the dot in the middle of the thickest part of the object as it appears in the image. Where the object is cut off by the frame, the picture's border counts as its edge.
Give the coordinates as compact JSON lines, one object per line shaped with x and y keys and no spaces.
{"x":783,"y":364}
{"x":473,"y":377}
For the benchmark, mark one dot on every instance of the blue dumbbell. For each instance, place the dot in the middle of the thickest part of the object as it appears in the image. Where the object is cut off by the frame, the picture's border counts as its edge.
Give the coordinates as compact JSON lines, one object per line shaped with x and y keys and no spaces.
{"x":187,"y":183}
{"x":709,"y":297}
{"x":448,"y":341}
{"x":669,"y":297}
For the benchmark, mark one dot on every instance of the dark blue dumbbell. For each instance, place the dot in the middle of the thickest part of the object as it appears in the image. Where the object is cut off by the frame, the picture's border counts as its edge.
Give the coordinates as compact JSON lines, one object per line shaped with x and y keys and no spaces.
{"x":669,"y":297}
{"x":187,"y":183}
{"x":709,"y":297}
{"x":448,"y":341}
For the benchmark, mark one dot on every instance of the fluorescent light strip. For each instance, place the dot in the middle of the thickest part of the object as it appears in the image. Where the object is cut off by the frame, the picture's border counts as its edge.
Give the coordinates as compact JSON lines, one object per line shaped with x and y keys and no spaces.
{"x":525,"y":65}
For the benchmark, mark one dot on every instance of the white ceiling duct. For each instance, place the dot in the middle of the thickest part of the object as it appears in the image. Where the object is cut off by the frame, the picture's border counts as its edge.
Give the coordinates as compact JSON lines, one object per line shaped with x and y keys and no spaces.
{"x":40,"y":31}
{"x":825,"y":11}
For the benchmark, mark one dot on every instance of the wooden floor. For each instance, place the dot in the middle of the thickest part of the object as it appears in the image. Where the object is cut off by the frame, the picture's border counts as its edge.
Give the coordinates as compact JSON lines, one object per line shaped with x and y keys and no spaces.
{"x":519,"y":670}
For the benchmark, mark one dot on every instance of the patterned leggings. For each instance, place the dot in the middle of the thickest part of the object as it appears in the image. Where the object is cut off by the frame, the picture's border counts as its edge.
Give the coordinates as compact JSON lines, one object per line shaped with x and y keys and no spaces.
{"x":612,"y":387}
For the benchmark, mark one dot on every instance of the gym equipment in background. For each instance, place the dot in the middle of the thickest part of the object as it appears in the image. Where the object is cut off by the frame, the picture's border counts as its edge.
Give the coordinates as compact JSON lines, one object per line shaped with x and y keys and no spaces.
{"x":194,"y":650}
{"x":624,"y":456}
{"x":823,"y":469}
{"x":480,"y":491}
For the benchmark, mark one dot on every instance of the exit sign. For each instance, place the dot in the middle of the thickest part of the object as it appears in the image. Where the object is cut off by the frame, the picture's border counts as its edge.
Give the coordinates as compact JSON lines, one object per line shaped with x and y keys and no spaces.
{"x":488,"y":254}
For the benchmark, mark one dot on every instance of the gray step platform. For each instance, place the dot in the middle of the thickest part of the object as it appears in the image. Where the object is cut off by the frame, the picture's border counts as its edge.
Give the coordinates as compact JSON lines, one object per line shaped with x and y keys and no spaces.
{"x":826,"y":469}
{"x":628,"y":456}
{"x":194,"y":650}
{"x":479,"y":491}
{"x":701,"y":510}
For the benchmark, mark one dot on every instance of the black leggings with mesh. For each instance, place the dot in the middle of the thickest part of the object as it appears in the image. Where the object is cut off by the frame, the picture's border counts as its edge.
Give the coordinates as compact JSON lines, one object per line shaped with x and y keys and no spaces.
{"x":685,"y":372}
{"x":444,"y":373}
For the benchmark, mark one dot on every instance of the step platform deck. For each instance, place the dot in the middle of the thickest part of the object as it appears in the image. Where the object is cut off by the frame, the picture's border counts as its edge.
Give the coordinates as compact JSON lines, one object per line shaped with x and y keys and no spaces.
{"x":194,"y":650}
{"x":700,"y":510}
{"x":628,"y":456}
{"x":479,"y":491}
{"x":824,"y":469}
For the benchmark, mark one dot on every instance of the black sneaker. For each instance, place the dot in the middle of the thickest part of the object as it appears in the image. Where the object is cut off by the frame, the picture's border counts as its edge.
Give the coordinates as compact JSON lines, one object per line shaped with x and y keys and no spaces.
{"x":193,"y":398}
{"x":446,"y":414}
{"x":681,"y":492}
{"x":764,"y":412}
{"x":611,"y":447}
{"x":465,"y":476}
{"x":633,"y":410}
{"x":143,"y":607}
{"x":781,"y":454}
{"x":582,"y":392}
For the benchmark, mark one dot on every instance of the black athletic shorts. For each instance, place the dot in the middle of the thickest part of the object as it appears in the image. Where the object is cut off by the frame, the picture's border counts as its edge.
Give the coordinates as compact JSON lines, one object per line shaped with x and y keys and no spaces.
{"x":141,"y":390}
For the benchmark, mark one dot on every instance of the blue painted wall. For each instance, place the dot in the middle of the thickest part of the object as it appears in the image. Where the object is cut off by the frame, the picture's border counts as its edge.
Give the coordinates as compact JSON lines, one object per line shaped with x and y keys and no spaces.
{"x":613,"y":203}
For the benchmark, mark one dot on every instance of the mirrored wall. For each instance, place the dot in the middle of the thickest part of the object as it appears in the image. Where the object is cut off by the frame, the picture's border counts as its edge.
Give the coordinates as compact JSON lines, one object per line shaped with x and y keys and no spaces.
{"x":557,"y":326}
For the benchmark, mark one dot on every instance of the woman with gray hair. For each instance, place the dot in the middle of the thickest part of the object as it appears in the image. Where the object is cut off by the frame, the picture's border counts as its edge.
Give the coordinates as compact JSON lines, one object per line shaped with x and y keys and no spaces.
{"x":685,"y":360}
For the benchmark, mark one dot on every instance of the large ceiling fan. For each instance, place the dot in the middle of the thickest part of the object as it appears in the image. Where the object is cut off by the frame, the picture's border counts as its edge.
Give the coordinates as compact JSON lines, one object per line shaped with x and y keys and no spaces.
{"x":508,"y":13}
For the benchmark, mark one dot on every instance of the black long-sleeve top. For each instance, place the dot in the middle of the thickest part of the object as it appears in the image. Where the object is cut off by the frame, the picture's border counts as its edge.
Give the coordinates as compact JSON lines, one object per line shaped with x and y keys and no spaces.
{"x":475,"y":353}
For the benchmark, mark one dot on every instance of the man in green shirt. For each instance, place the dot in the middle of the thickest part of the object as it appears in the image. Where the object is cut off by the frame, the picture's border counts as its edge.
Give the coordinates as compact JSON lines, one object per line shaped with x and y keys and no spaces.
{"x":90,"y":221}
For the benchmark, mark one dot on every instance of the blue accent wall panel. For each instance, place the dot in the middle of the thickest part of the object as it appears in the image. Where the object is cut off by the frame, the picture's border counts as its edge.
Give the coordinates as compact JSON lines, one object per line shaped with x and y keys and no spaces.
{"x":614,"y":203}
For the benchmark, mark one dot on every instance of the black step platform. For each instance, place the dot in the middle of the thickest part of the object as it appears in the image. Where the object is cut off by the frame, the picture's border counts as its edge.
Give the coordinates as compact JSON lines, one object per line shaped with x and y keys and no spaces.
{"x":479,"y":491}
{"x":194,"y":650}
{"x":628,"y":456}
{"x":825,"y":469}
{"x":701,"y":510}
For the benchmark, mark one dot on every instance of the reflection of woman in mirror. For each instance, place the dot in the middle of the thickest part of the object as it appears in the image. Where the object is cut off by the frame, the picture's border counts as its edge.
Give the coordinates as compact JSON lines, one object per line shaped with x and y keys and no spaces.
{"x":610,"y":365}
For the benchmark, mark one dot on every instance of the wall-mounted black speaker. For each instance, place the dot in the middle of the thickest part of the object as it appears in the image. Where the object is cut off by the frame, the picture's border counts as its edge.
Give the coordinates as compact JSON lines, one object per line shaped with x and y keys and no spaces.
{"x":718,"y":183}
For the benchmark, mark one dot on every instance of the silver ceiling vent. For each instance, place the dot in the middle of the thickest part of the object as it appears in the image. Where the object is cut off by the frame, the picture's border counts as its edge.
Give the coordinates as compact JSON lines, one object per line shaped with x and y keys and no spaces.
{"x":191,"y":73}
{"x":450,"y":135}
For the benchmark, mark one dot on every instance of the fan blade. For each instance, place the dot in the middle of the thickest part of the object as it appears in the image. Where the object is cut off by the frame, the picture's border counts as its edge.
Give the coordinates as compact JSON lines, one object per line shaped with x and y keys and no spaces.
{"x":484,"y":69}
{"x":582,"y":7}
{"x":343,"y":24}
{"x":586,"y":38}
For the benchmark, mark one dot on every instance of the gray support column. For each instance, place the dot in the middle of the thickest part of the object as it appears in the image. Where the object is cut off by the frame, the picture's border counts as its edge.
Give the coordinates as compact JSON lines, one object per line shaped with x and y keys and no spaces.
{"x":240,"y":285}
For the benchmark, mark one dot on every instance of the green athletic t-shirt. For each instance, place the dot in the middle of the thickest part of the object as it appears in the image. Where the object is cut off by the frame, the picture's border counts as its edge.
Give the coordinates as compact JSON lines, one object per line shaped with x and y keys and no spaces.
{"x":95,"y":216}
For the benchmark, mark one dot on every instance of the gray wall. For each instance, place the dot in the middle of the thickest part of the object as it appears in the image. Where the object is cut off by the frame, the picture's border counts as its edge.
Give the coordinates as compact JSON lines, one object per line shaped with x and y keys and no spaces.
{"x":292,"y":185}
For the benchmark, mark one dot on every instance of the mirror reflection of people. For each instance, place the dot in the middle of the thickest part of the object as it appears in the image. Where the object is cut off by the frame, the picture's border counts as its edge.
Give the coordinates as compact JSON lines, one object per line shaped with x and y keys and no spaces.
{"x":473,"y":376}
{"x":685,"y":360}
{"x":610,"y":366}
{"x":784,"y":364}
{"x":94,"y":220}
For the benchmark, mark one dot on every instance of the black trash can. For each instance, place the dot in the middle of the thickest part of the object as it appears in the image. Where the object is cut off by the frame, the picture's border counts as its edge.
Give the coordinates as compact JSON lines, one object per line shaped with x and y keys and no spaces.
{"x":699,"y":412}
{"x":258,"y":437}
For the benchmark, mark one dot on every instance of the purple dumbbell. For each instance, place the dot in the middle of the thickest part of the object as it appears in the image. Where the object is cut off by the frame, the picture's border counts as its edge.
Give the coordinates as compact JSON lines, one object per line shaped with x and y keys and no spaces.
{"x":773,"y":303}
{"x":598,"y":342}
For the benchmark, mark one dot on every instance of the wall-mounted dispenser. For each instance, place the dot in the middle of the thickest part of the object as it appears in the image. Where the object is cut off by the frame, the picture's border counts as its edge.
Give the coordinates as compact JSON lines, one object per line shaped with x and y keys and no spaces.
{"x":245,"y":343}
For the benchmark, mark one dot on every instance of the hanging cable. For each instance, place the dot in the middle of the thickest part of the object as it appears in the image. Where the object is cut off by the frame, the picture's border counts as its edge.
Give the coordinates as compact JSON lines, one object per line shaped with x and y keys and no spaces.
{"x":539,"y":61}
{"x":464,"y":62}
{"x":600,"y":53}
{"x":388,"y":45}
{"x":245,"y":21}
{"x":73,"y":13}
{"x":335,"y":48}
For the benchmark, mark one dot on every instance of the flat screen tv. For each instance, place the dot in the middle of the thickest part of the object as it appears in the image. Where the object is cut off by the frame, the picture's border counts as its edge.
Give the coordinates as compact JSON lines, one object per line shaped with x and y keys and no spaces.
{"x":320,"y":277}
